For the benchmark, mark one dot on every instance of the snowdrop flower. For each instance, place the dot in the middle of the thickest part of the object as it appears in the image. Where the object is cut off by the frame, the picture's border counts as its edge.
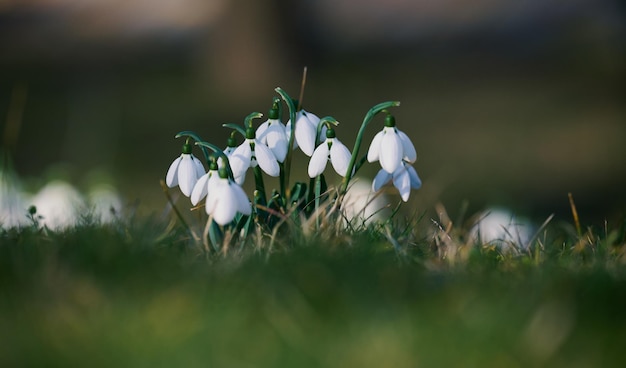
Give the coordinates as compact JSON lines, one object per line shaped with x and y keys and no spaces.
{"x":225,"y":199}
{"x":502,"y":228}
{"x":330,"y":150}
{"x":184,"y":171}
{"x":404,"y":179}
{"x":306,"y":130}
{"x":231,"y":145}
{"x":391,"y":146}
{"x":13,"y":204}
{"x":273,"y":134}
{"x":250,"y":153}
{"x":205,"y":184}
{"x":105,"y":202}
{"x":361,"y":207}
{"x":60,"y":205}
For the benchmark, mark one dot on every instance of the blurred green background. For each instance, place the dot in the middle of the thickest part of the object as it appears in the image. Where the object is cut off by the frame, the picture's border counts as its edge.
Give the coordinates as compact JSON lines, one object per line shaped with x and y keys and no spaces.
{"x":508,"y":103}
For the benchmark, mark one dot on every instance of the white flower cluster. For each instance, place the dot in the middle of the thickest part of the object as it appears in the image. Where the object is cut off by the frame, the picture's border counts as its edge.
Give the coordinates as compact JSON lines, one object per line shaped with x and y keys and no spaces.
{"x":268,"y":147}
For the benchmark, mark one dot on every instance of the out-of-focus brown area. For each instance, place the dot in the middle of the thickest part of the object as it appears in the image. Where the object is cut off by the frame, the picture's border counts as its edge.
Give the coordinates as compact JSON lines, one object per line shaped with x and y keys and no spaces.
{"x":508,"y":103}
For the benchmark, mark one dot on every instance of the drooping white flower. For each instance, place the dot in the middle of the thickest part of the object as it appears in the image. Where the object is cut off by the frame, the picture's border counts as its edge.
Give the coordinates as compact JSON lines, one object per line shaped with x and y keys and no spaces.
{"x":104,"y":202}
{"x":231,"y":146}
{"x":500,"y":227}
{"x":205,"y":184}
{"x":225,"y":199}
{"x":330,"y":150}
{"x":306,"y":130}
{"x":404,"y":179}
{"x":360,"y":206}
{"x":250,"y":153}
{"x":273,"y":134}
{"x":59,"y":204}
{"x":391,"y":146}
{"x":184,"y":171}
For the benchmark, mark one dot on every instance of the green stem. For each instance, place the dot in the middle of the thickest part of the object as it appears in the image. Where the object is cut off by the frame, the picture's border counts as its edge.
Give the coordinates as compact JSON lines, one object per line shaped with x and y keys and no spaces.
{"x":221,"y":153}
{"x":359,"y":138}
{"x":260,"y":185}
{"x":235,"y":127}
{"x":292,"y":117}
{"x":281,"y":177}
{"x":195,"y":137}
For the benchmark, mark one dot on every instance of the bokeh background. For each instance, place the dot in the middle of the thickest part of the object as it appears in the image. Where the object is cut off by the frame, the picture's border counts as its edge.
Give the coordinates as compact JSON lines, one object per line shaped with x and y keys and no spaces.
{"x":508,"y":103}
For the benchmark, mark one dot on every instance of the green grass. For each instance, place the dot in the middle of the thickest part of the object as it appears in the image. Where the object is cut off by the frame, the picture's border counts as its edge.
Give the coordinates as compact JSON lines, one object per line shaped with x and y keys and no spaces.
{"x":135,"y":294}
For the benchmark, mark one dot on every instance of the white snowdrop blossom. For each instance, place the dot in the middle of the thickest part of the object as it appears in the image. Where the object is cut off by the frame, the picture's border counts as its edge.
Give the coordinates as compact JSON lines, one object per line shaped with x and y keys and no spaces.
{"x":360,"y":206}
{"x":330,"y":150}
{"x":228,"y":151}
{"x":250,"y":153}
{"x":391,"y":147}
{"x":500,"y":227}
{"x":306,"y":130}
{"x":273,"y":134}
{"x":104,"y":202}
{"x":184,"y":171}
{"x":404,"y":179}
{"x":59,"y":204}
{"x":225,"y":199}
{"x":205,"y":184}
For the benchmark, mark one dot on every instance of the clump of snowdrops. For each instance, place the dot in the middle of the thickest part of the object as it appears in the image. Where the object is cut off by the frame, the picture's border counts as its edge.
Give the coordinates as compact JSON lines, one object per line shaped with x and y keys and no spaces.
{"x":267,"y":149}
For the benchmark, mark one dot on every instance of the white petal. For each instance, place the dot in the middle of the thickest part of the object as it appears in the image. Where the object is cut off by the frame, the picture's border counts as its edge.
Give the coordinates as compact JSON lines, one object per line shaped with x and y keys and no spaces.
{"x":243,"y":204}
{"x":340,"y":157}
{"x":407,"y":146}
{"x":199,"y":167}
{"x":402,"y":181}
{"x":416,"y":182}
{"x":215,"y":194}
{"x":266,"y":159}
{"x":226,"y":205}
{"x":305,"y":136}
{"x":311,"y":117}
{"x":214,"y":180}
{"x":391,"y":151}
{"x":171,"y":178}
{"x":318,"y":161}
{"x":277,"y":141}
{"x":240,"y":159}
{"x":187,"y":174}
{"x":381,"y":179}
{"x":200,"y":190}
{"x":261,"y":131}
{"x":374,"y":151}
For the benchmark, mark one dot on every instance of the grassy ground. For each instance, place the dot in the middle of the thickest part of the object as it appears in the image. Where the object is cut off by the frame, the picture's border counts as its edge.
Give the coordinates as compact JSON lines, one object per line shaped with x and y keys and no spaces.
{"x":135,"y":295}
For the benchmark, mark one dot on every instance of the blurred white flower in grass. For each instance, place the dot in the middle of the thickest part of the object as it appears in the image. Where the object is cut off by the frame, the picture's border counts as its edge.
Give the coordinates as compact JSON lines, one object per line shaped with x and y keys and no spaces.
{"x":225,"y":199}
{"x":184,"y":171}
{"x":59,"y":204}
{"x":105,"y":203}
{"x":500,"y":227}
{"x":13,"y":202}
{"x":306,"y":130}
{"x":330,"y":150}
{"x":404,"y":179}
{"x":250,"y":153}
{"x":361,"y":206}
{"x":273,"y":134}
{"x":391,"y":147}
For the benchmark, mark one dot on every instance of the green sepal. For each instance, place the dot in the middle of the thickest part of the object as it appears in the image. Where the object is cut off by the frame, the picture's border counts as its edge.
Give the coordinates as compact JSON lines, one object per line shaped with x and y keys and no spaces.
{"x":298,"y":193}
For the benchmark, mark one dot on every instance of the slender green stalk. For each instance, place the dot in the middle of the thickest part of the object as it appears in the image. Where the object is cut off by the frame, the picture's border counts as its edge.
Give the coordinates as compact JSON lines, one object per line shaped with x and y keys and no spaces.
{"x":292,"y":117}
{"x":235,"y":127}
{"x":359,"y":138}
{"x":259,"y":184}
{"x":220,"y":153}
{"x":195,"y":137}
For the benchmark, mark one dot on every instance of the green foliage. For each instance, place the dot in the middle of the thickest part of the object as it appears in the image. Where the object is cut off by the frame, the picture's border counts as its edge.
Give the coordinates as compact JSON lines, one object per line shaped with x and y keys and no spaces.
{"x":402,"y":293}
